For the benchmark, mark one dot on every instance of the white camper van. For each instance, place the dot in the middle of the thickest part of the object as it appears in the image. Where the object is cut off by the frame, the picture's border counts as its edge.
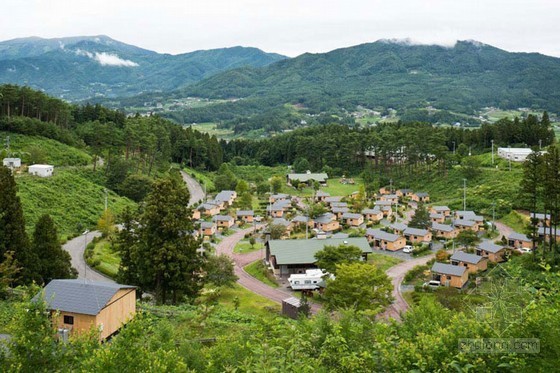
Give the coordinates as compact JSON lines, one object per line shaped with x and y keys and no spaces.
{"x":312,"y":279}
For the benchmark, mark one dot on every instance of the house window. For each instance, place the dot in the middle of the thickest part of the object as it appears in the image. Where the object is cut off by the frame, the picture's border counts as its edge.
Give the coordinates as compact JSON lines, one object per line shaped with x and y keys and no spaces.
{"x":307,"y":281}
{"x":69,"y":320}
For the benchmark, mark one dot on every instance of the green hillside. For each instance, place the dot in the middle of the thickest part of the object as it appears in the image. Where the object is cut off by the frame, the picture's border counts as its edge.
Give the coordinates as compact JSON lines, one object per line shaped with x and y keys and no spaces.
{"x":74,"y":197}
{"x":464,"y":78}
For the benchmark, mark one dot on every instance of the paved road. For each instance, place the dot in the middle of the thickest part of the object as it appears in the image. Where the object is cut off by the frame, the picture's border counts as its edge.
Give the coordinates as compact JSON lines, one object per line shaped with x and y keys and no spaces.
{"x":503,"y":229}
{"x":76,"y":249}
{"x":197,"y":194}
{"x":396,"y":274}
{"x":247,"y":281}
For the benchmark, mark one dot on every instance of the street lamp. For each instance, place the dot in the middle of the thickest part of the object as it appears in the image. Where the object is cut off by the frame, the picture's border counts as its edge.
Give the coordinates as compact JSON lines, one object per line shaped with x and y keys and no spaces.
{"x":464,"y":194}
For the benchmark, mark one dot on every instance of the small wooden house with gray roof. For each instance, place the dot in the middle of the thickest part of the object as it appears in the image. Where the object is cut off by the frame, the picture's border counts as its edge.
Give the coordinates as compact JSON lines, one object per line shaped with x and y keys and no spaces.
{"x":450,"y":275}
{"x":518,"y":240}
{"x":286,"y":257}
{"x":373,"y":215}
{"x":474,"y":263}
{"x":384,"y":240}
{"x":441,"y":210}
{"x":416,"y":235}
{"x":352,"y":219}
{"x":246,"y":216}
{"x":488,"y":249}
{"x":79,"y":305}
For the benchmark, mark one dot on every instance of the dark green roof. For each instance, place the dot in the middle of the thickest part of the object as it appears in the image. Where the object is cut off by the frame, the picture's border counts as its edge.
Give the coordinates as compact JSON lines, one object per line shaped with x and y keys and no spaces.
{"x":303,"y":251}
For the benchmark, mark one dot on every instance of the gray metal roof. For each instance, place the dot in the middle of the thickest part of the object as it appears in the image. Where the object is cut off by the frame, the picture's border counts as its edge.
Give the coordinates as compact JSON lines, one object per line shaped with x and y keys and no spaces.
{"x":371,"y":211}
{"x":222,"y":218}
{"x":340,"y":209}
{"x":465,"y":223}
{"x":207,"y":206}
{"x":79,"y":296}
{"x":383,"y":203}
{"x":540,"y":216}
{"x":518,"y":237}
{"x":300,"y":219}
{"x":325,"y":218}
{"x":333,"y":199}
{"x":422,"y":194}
{"x":448,"y":269}
{"x":280,"y":221}
{"x":303,"y":251}
{"x":321,"y":193}
{"x":382,"y":235}
{"x":280,"y":196}
{"x":207,"y":224}
{"x":490,"y":246}
{"x":436,"y":216}
{"x":467,"y":215}
{"x":225,"y":195}
{"x":293,"y":301}
{"x":462,"y":256}
{"x":442,"y":227}
{"x":415,"y":232}
{"x":390,"y":196}
{"x":321,"y":177}
{"x":245,"y":213}
{"x":405,"y":191}
{"x":349,"y":215}
{"x":441,"y":208}
{"x":339,"y":204}
{"x":399,"y":226}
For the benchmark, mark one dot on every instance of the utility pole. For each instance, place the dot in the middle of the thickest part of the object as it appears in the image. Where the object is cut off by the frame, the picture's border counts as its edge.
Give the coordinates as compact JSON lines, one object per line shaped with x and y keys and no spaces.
{"x":493,"y":214}
{"x":464,"y":194}
{"x":391,"y":186}
{"x":453,"y":147}
{"x":85,"y":247}
{"x":509,"y":156}
{"x":106,"y":199}
{"x":8,"y":145}
{"x":492,"y":141}
{"x":540,"y":144}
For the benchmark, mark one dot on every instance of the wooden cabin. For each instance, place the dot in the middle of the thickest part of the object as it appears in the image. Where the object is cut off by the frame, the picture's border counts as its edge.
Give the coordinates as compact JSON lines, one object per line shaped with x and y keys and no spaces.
{"x":518,"y":241}
{"x":415,"y":235}
{"x":446,"y":211}
{"x":450,"y":275}
{"x":353,"y":220}
{"x":474,"y":263}
{"x":445,"y":231}
{"x":420,"y":197}
{"x":494,"y":253}
{"x":385,"y":241}
{"x":223,"y":221}
{"x":246,"y":216}
{"x":78,"y":305}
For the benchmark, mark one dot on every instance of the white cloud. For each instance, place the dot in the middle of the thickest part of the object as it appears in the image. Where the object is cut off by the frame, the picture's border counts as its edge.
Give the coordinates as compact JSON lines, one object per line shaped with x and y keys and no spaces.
{"x":107,"y":59}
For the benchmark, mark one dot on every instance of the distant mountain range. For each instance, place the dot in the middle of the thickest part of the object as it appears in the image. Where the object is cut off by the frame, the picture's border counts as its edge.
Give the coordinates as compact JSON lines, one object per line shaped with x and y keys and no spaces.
{"x":398,"y":74}
{"x":77,"y":68}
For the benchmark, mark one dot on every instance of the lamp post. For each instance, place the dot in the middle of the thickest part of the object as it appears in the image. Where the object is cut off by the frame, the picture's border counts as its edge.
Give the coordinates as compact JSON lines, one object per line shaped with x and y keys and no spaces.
{"x":540,"y":144}
{"x":493,"y":214}
{"x":464,"y":194}
{"x":492,"y":141}
{"x":85,"y":247}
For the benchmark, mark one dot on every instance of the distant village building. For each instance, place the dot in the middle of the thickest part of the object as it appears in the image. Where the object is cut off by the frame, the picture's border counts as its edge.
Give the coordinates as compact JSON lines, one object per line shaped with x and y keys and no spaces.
{"x":514,"y":154}
{"x":41,"y":170}
{"x":307,"y":178}
{"x":12,"y":162}
{"x":78,"y":305}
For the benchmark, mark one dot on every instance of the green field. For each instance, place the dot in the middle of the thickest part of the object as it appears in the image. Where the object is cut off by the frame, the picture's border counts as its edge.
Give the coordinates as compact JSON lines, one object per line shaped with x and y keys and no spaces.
{"x":249,"y":302}
{"x":104,"y":259}
{"x":244,"y":247}
{"x":261,"y":273}
{"x":518,"y":222}
{"x":383,"y":262}
{"x":43,"y":150}
{"x":210,"y":128}
{"x":73,"y":197}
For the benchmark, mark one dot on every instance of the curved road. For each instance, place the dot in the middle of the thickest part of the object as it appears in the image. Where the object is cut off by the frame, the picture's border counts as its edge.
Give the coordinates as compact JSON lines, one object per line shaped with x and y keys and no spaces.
{"x":247,"y":281}
{"x":196,"y":192}
{"x":76,"y":249}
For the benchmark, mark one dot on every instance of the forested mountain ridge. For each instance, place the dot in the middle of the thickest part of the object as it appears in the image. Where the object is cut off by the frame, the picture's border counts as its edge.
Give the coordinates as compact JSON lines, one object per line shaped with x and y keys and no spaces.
{"x":78,"y":68}
{"x":462,"y":78}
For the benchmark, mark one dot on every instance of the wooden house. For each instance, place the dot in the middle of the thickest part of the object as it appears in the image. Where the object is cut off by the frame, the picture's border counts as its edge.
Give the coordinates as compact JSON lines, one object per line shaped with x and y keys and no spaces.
{"x":327,"y":222}
{"x":385,"y":241}
{"x":246,"y":216}
{"x":437,"y":218}
{"x":352,"y":219}
{"x":227,"y":197}
{"x":393,"y":198}
{"x":518,"y":241}
{"x":196,"y":214}
{"x":474,"y":263}
{"x":339,"y":211}
{"x":373,"y":215}
{"x":494,"y":253}
{"x":291,"y":307}
{"x":420,"y":197}
{"x":385,"y":190}
{"x":207,"y":228}
{"x":543,"y":219}
{"x":78,"y":305}
{"x":279,"y":197}
{"x":404,"y":193}
{"x":446,"y":211}
{"x":223,"y":221}
{"x":450,"y":275}
{"x":321,"y":195}
{"x":302,"y":221}
{"x":398,"y":228}
{"x":445,"y":231}
{"x":208,"y":209}
{"x":416,"y":235}
{"x":462,"y":225}
{"x":332,"y":199}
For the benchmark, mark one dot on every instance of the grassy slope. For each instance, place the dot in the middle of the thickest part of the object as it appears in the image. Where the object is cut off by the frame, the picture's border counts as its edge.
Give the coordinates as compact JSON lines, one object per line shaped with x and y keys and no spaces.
{"x":516,"y":221}
{"x":56,"y":153}
{"x":71,"y":196}
{"x":109,"y":261}
{"x":383,"y":262}
{"x":244,"y":246}
{"x":257,"y":270}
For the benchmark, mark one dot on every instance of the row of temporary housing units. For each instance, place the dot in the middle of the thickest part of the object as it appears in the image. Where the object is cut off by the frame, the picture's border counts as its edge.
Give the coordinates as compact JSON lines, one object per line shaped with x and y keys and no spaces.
{"x":42,"y":170}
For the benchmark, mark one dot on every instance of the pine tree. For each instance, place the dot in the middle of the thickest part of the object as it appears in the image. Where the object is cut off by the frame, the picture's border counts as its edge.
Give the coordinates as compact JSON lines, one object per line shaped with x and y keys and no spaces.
{"x":12,"y":228}
{"x":159,"y":253}
{"x":531,"y":190}
{"x":53,"y":261}
{"x":421,"y":218}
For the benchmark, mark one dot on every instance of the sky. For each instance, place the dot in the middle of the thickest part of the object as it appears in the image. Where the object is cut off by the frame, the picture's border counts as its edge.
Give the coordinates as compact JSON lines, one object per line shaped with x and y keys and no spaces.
{"x":289,"y":27}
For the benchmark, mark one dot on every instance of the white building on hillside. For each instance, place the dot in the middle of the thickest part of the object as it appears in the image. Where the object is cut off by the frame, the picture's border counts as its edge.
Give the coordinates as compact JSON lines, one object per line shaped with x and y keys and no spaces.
{"x":42,"y":170}
{"x":12,"y":162}
{"x":514,"y":154}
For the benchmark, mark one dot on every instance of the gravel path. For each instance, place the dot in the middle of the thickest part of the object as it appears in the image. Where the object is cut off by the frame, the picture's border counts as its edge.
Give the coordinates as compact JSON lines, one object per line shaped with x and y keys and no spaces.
{"x":197,"y":194}
{"x":247,"y":281}
{"x":76,"y":249}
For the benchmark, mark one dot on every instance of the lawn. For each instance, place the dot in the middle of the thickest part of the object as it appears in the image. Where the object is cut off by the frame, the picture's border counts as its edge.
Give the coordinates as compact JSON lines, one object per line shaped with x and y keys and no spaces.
{"x":261,"y":273}
{"x":516,"y":221}
{"x":244,"y":247}
{"x":104,"y":259}
{"x":334,"y":188}
{"x":383,"y":262}
{"x":249,"y":302}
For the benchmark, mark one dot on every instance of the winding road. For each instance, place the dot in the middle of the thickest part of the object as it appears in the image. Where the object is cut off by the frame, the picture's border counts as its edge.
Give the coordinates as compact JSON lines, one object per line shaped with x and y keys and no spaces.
{"x":196,"y":192}
{"x":246,"y":280}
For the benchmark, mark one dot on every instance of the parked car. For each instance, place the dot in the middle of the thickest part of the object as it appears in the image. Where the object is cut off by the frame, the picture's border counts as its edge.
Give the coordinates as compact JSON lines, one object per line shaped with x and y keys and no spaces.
{"x":407,"y":249}
{"x":432,"y":284}
{"x":525,"y":250}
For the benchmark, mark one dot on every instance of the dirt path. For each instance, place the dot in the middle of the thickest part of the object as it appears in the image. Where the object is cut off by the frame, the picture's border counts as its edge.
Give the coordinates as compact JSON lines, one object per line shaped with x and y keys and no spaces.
{"x":246,"y":280}
{"x":196,"y":192}
{"x":503,"y":229}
